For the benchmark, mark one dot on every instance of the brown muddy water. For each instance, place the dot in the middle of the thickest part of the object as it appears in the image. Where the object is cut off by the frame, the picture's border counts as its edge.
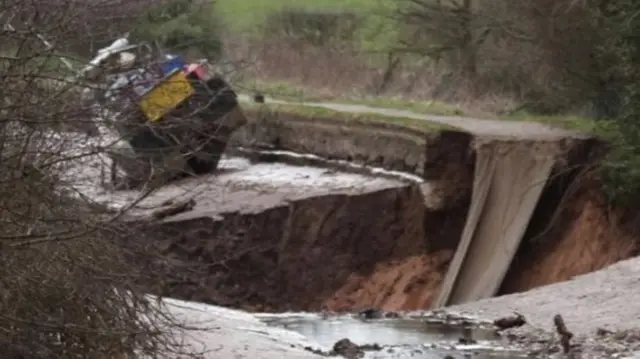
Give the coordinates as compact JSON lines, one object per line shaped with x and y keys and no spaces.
{"x":406,"y":337}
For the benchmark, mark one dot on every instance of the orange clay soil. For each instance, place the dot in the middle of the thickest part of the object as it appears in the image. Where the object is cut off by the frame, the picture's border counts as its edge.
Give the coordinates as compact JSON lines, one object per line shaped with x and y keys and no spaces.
{"x":586,"y":235}
{"x":404,"y":284}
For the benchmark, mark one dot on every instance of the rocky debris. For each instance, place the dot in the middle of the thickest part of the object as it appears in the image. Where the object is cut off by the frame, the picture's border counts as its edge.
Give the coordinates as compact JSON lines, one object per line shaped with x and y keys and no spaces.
{"x":326,"y":313}
{"x":391,"y":315}
{"x":346,"y":348}
{"x":602,"y":343}
{"x":563,"y":332}
{"x":510,"y":322}
{"x":371,"y":313}
{"x":376,"y":313}
{"x":350,"y":350}
{"x":601,"y":332}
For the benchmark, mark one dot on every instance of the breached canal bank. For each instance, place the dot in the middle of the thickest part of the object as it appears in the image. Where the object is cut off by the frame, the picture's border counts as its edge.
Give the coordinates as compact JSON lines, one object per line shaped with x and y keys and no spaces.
{"x":506,"y":173}
{"x":247,"y":245}
{"x":275,"y":237}
{"x":384,"y":247}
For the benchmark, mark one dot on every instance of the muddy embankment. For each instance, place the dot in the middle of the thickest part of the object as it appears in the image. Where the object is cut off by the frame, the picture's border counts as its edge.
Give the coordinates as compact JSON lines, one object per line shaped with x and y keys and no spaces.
{"x":388,"y":248}
{"x":574,"y":230}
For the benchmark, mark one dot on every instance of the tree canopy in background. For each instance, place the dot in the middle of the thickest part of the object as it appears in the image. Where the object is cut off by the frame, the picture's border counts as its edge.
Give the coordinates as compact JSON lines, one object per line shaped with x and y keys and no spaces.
{"x":182,"y":25}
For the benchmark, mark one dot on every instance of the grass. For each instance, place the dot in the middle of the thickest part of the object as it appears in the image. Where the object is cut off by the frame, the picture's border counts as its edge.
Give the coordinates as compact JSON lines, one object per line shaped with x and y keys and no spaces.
{"x":420,"y":106}
{"x":283,"y":90}
{"x":247,"y":16}
{"x":320,"y":112}
{"x":568,"y":121}
{"x":244,"y":15}
{"x":286,"y":91}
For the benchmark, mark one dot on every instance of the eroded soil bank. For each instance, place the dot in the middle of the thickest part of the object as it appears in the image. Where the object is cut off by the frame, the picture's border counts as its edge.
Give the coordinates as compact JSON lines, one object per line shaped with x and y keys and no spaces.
{"x":290,"y":257}
{"x":573,"y":232}
{"x":387,"y":248}
{"x":330,"y":251}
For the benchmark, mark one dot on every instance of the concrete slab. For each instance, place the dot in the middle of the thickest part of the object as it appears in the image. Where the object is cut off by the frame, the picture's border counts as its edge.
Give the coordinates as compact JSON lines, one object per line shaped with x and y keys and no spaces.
{"x":509,"y":179}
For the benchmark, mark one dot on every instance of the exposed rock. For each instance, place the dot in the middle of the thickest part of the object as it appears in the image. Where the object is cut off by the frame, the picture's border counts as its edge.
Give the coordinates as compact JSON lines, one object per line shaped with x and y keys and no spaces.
{"x":350,"y":350}
{"x":510,"y":322}
{"x":371,"y":313}
{"x":347,"y":349}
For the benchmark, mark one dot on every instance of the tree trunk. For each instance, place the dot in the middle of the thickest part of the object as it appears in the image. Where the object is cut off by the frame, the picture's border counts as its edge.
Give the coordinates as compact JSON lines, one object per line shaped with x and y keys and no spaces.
{"x":468,"y":49}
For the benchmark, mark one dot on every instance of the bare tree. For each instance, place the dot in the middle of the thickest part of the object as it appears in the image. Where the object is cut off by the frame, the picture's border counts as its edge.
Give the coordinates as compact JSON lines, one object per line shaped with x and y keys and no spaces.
{"x":443,"y":29}
{"x":541,"y":52}
{"x":68,"y":288}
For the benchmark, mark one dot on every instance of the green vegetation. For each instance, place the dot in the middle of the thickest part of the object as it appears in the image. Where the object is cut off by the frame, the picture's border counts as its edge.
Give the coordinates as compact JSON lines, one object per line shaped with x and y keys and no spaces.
{"x":460,"y":56}
{"x":568,"y":121}
{"x":245,"y":15}
{"x":182,"y":24}
{"x":321,"y":112}
{"x":621,"y":51}
{"x":375,"y":30}
{"x":285,"y":91}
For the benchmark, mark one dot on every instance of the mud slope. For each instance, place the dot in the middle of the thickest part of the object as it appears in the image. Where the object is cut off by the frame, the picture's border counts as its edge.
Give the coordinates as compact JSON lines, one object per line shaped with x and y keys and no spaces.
{"x":408,"y":283}
{"x":292,"y":257}
{"x":585,"y":234}
{"x":389,"y":247}
{"x":275,"y":237}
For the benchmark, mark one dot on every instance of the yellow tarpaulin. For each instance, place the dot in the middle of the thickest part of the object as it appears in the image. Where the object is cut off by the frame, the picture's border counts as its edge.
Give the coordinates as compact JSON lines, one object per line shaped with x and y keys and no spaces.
{"x":166,"y":96}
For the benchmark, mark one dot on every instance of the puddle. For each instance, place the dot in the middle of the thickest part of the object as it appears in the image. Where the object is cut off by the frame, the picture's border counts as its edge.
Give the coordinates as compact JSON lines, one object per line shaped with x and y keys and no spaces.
{"x":397,"y":331}
{"x":399,"y":337}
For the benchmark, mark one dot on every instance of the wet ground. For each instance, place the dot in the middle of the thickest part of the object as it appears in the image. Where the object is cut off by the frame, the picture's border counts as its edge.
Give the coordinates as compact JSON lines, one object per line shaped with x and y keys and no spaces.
{"x":221,"y":333}
{"x":425,"y":337}
{"x":242,"y":186}
{"x":226,"y":333}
